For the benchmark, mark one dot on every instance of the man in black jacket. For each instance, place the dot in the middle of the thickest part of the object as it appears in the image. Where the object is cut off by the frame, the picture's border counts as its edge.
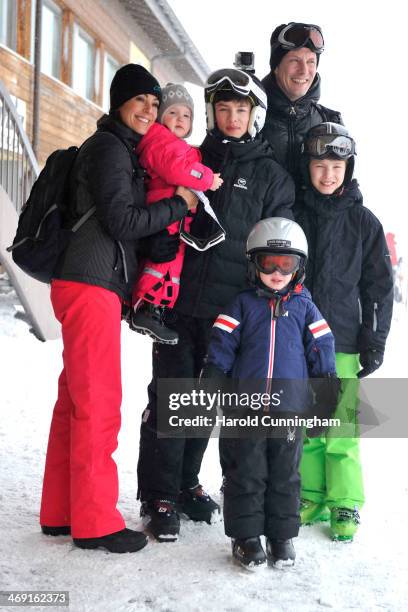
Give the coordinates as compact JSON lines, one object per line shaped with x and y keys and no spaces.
{"x":254,"y":187}
{"x":293,"y":89}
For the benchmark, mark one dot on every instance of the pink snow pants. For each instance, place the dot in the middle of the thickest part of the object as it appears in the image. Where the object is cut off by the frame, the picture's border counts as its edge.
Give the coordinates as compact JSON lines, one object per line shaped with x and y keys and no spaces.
{"x":159,"y":283}
{"x":80,"y":481}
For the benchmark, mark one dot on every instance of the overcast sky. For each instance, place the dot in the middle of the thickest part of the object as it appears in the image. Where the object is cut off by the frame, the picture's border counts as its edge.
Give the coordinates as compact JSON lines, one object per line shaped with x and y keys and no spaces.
{"x":363,"y":70}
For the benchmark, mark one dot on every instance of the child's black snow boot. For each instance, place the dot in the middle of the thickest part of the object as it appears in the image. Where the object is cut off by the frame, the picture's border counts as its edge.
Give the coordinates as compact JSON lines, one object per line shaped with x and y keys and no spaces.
{"x":249,"y":552}
{"x":148,"y":320}
{"x":161,"y":518}
{"x":198,"y":505}
{"x":281,"y":553}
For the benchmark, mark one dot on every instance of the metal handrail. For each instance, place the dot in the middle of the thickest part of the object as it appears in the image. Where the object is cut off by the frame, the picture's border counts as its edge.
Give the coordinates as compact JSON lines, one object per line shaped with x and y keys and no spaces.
{"x":18,"y":165}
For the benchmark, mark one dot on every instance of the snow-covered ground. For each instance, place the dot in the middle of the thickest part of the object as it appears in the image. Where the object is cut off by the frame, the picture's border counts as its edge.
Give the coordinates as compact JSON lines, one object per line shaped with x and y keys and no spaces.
{"x":196,"y":573}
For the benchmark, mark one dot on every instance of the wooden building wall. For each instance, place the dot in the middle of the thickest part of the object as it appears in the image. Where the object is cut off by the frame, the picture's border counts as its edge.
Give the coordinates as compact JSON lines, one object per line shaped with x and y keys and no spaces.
{"x":67,"y":118}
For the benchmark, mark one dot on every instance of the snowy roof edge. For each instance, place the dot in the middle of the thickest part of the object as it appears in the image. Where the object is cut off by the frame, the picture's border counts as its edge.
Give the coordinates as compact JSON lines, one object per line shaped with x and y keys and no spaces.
{"x":159,"y":21}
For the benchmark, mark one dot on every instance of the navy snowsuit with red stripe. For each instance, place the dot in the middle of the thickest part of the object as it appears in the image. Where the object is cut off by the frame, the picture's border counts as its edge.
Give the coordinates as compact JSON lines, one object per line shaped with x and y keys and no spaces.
{"x":252,"y":339}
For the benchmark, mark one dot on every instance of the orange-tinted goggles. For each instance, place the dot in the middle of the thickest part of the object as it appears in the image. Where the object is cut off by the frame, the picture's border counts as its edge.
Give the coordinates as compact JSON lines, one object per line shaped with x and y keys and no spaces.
{"x":268,"y":263}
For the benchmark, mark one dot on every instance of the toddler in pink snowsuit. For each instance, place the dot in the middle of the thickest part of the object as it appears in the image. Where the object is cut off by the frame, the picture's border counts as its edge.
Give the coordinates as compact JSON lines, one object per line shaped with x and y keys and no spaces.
{"x":169,"y":162}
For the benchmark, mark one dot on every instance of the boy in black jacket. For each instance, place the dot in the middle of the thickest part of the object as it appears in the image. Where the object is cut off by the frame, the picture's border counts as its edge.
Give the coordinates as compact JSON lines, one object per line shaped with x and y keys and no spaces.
{"x":350,"y":278}
{"x":255,"y":187}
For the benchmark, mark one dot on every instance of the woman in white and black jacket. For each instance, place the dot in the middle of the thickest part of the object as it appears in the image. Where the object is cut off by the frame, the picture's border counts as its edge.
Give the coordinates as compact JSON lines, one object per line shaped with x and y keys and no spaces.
{"x":93,"y":277}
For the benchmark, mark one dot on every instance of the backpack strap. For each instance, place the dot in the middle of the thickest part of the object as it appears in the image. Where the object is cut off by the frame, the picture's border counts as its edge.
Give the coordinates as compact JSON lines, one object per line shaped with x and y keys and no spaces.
{"x":83,"y":219}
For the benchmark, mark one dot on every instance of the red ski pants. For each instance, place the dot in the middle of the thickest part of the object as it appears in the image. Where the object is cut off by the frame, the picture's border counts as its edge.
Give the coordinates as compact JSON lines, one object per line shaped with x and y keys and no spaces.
{"x":80,"y":481}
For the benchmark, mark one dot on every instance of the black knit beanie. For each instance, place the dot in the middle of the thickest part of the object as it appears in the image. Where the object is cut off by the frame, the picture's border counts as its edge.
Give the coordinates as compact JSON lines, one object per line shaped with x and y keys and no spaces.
{"x":129,"y":81}
{"x":278,"y":52}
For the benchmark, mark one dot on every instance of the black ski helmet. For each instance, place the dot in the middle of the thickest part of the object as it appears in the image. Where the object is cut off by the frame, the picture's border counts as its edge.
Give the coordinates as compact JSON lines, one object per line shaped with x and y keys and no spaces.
{"x":330,"y":140}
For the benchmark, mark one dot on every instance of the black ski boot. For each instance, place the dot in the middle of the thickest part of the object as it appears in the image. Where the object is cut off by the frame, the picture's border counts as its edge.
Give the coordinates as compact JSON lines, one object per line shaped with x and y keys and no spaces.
{"x":198,"y":505}
{"x":281,"y":553}
{"x":56,"y":531}
{"x":148,"y":320}
{"x":123,"y":541}
{"x":248,"y":552}
{"x":161,"y":518}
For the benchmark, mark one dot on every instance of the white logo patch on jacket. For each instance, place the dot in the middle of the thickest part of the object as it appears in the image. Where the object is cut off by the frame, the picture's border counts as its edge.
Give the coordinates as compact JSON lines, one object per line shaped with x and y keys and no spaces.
{"x":226,"y":323}
{"x":319,"y":328}
{"x":241,"y":183}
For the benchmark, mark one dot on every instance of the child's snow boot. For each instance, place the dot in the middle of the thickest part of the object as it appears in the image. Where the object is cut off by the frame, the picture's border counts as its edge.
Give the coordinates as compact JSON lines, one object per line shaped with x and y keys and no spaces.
{"x":148,"y":320}
{"x":344,"y":523}
{"x":281,"y":553}
{"x":311,"y":512}
{"x":161,"y":518}
{"x":248,"y":552}
{"x":198,"y":505}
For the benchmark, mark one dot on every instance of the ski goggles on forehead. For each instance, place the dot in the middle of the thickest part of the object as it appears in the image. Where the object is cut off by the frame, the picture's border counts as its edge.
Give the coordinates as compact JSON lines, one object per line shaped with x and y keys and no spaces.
{"x":238,"y":80}
{"x":296,"y":35}
{"x":341,"y":146}
{"x":268,"y":263}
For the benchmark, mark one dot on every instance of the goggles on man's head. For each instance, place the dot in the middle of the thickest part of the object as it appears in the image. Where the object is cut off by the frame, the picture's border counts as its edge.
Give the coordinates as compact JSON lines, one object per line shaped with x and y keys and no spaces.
{"x":296,"y":35}
{"x":342,"y":147}
{"x":272,"y":262}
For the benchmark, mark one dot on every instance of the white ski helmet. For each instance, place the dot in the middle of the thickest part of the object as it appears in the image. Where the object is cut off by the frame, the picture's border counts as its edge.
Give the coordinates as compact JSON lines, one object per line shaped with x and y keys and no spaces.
{"x":278,"y":236}
{"x":243,"y":84}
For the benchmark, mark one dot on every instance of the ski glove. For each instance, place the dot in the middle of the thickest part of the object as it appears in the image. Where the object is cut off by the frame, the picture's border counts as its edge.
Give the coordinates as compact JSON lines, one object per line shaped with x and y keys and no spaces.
{"x":370,"y":360}
{"x":161,"y":247}
{"x":326,"y":391}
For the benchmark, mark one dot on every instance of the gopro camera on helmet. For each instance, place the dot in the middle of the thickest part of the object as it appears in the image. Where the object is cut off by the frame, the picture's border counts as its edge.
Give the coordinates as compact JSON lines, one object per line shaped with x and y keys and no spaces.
{"x":245,"y":60}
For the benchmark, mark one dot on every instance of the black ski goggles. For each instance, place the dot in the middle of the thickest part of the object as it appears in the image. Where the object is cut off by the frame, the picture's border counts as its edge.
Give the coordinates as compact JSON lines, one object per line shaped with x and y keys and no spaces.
{"x":296,"y":35}
{"x":201,"y":244}
{"x":271,"y":262}
{"x":342,"y":147}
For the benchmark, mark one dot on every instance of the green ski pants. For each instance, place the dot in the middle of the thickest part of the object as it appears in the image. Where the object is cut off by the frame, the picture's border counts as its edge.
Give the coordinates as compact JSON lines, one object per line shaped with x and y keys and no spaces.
{"x":330,"y":468}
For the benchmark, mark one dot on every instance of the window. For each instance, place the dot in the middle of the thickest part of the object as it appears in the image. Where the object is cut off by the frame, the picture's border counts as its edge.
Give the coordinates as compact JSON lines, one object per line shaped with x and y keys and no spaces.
{"x":83,"y":64}
{"x":110,"y":68}
{"x":8,"y":23}
{"x":51,"y":18}
{"x":32,"y":34}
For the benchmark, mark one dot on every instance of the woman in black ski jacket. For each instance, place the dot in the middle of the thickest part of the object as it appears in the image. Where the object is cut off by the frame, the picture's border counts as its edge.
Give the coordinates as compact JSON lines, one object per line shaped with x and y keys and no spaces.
{"x":93,"y":276}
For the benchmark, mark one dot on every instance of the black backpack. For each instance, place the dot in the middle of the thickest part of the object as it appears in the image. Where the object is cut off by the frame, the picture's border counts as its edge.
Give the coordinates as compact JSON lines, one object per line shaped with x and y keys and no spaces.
{"x":40,"y":237}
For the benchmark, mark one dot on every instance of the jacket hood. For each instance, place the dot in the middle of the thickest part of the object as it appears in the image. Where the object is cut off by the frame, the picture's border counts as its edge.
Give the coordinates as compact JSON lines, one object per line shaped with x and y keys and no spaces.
{"x":278,"y":102}
{"x":254,"y":149}
{"x":330,"y":206}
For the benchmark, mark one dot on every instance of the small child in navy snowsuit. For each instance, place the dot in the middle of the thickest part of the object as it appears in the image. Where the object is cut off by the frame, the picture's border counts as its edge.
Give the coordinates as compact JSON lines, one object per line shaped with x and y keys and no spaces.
{"x":272,"y":331}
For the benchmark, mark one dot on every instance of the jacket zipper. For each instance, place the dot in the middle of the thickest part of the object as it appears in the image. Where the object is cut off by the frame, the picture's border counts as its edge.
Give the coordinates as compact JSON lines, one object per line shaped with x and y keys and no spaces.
{"x":291,"y":139}
{"x":271,"y":351}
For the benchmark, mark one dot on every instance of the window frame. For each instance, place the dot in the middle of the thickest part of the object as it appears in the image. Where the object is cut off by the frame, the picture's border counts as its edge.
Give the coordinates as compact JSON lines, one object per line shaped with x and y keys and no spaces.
{"x":79,"y":30}
{"x":58,"y":11}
